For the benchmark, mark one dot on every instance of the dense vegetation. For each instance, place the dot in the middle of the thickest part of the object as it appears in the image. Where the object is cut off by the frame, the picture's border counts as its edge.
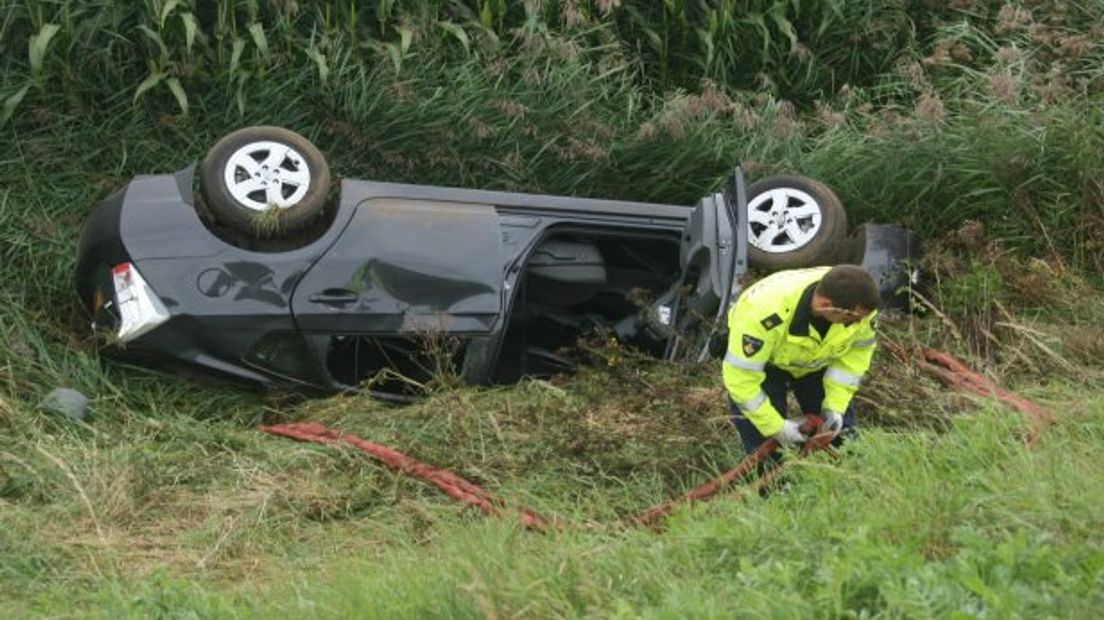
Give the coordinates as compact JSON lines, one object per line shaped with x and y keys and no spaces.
{"x":980,"y":124}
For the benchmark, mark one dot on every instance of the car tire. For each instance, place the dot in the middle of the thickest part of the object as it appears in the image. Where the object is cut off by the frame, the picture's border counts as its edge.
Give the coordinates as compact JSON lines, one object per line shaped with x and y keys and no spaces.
{"x":794,"y":222}
{"x":265,"y":182}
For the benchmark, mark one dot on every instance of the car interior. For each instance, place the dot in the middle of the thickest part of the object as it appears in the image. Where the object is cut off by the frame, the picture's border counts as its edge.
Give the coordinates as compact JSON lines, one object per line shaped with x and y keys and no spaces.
{"x":578,"y":285}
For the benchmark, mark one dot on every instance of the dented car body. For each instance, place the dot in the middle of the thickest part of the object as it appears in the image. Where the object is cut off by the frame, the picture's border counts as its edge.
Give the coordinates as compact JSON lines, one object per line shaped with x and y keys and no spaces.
{"x":403,"y":281}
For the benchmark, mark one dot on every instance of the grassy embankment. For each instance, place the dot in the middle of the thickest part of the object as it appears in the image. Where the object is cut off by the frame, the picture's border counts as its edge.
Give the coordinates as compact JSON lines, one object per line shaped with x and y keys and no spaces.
{"x":170,"y":503}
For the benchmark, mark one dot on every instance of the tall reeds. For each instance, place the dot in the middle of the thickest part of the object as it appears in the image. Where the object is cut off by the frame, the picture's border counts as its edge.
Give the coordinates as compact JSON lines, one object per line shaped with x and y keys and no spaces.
{"x":916,"y":112}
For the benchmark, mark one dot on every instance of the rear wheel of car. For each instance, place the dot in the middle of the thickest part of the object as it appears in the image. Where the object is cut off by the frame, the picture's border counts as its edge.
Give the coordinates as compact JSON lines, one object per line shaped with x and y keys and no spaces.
{"x":794,"y":222}
{"x":265,"y":182}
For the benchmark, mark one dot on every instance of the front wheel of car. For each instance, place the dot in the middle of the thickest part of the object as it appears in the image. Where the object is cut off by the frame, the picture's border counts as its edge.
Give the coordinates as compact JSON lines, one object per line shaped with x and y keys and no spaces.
{"x":793,"y":222}
{"x":265,"y":182}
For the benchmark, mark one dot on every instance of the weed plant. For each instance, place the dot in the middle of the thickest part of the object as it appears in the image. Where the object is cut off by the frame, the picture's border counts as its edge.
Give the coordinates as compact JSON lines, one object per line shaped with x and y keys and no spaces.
{"x":978,"y":124}
{"x":943,"y":115}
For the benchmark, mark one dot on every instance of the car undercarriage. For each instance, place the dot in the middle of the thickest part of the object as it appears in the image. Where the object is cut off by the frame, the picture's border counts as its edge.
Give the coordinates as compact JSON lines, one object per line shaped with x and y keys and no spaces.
{"x":388,"y":287}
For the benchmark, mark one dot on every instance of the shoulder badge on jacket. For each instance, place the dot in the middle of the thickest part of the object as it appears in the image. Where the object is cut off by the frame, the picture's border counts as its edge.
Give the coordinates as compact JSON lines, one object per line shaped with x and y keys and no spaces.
{"x":751,"y":345}
{"x":771,"y":322}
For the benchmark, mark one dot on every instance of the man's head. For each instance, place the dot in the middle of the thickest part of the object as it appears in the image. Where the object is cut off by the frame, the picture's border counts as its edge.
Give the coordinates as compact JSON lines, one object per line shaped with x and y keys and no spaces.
{"x":846,"y":294}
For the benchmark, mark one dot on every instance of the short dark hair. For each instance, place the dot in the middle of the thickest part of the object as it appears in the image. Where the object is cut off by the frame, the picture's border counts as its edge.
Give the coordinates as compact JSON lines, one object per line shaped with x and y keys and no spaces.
{"x":849,"y":287}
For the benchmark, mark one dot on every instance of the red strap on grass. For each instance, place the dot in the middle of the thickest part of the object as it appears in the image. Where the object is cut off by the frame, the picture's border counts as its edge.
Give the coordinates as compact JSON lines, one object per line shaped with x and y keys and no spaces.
{"x":454,"y":486}
{"x":473,"y":495}
{"x":954,"y":373}
{"x":652,"y":517}
{"x":961,"y":376}
{"x":944,"y":366}
{"x":815,"y":442}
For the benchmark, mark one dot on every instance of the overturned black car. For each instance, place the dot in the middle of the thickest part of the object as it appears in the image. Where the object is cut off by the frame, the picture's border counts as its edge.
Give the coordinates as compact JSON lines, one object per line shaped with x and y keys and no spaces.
{"x":269,"y":276}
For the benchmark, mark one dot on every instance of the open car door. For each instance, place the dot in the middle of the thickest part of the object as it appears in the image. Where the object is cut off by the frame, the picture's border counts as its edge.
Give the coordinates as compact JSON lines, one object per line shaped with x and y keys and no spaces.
{"x":714,"y":260}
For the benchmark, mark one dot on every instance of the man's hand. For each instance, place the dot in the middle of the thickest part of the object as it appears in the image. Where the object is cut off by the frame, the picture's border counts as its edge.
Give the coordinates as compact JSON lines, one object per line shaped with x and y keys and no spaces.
{"x":833,"y":422}
{"x":790,"y":433}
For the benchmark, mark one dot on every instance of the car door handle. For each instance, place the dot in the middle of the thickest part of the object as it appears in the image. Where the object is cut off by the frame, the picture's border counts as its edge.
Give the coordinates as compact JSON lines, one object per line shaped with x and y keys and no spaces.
{"x":335,"y":297}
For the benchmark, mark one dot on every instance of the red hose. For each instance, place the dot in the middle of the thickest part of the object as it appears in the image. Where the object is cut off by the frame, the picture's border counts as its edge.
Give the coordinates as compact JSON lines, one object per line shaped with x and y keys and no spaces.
{"x":702,"y":493}
{"x":454,"y":486}
{"x":473,"y":495}
{"x":954,"y":373}
{"x":944,"y":366}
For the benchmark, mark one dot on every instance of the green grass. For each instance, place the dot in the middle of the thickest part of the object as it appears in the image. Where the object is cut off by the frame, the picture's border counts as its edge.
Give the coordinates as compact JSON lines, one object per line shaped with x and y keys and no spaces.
{"x":911,"y":522}
{"x":957,"y":121}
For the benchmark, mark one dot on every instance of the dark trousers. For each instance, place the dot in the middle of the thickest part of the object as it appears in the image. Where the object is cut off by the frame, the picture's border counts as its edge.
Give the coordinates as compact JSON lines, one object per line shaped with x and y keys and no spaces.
{"x":809,"y":391}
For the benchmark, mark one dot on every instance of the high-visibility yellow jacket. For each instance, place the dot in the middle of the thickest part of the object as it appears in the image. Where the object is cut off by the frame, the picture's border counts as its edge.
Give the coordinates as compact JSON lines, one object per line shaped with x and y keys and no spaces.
{"x":769,"y":324}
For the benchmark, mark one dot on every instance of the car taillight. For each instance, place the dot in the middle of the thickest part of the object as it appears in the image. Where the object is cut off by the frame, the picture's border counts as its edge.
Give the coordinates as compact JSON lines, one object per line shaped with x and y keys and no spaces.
{"x":139,"y":308}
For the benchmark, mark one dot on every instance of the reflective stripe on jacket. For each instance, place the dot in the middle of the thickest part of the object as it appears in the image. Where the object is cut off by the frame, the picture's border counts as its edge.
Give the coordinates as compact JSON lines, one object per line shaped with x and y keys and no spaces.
{"x":770,"y":324}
